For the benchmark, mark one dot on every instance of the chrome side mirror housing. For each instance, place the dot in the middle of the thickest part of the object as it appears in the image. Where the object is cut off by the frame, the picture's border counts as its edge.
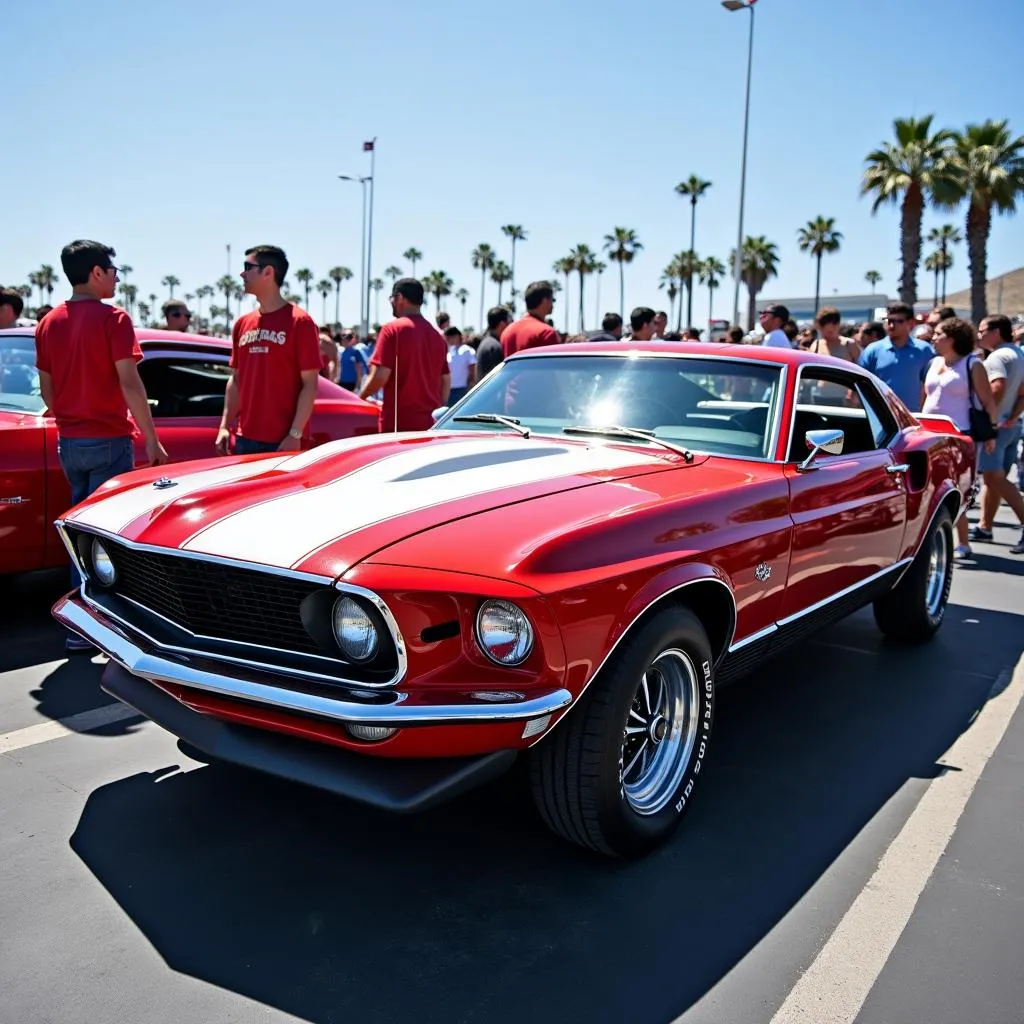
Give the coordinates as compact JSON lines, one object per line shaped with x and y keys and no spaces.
{"x":828,"y":441}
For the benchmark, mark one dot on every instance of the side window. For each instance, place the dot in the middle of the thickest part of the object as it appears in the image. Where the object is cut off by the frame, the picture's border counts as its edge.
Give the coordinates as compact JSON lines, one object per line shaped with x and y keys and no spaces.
{"x":883,"y":425}
{"x":185,"y":387}
{"x":19,"y":379}
{"x":830,"y":400}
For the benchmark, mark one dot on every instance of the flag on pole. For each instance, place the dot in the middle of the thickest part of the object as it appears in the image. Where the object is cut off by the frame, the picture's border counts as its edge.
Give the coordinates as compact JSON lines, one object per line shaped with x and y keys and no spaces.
{"x":368,"y":147}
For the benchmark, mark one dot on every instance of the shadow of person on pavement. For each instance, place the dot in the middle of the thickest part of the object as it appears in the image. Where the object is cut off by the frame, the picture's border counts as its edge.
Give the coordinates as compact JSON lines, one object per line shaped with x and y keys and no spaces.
{"x":72,"y":687}
{"x":332,"y":911}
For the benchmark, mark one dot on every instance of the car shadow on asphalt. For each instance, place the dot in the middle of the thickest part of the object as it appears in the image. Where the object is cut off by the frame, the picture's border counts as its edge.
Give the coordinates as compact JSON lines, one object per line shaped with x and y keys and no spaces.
{"x":473,"y":912}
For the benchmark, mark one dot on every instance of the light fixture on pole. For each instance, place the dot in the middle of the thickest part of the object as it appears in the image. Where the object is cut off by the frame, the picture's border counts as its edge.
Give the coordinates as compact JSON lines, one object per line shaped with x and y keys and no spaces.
{"x":362,"y":254}
{"x":371,"y":148}
{"x":742,"y":5}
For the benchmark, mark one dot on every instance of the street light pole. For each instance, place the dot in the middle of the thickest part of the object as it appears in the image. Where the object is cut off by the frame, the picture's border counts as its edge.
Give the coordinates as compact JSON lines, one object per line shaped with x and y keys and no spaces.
{"x":740,"y":5}
{"x":363,"y":292}
{"x":369,"y":234}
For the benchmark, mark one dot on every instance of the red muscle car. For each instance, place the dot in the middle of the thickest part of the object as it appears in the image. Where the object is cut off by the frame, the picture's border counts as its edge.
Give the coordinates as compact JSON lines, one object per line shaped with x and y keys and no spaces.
{"x":565,"y":568}
{"x":185,"y":376}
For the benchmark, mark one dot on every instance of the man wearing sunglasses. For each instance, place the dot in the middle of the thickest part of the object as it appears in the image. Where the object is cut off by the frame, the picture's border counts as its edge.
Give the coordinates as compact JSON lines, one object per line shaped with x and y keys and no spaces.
{"x":773,"y":319}
{"x":899,"y":359}
{"x":176,"y":315}
{"x":275,"y":362}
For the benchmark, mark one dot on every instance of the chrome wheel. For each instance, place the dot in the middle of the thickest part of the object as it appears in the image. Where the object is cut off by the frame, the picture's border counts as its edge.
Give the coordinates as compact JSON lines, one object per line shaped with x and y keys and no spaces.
{"x":938,"y":565}
{"x":660,"y":732}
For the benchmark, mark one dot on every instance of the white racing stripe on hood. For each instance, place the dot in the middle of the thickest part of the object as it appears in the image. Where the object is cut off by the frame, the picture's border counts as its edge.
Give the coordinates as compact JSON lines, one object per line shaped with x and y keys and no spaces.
{"x":117,"y":511}
{"x":282,"y":531}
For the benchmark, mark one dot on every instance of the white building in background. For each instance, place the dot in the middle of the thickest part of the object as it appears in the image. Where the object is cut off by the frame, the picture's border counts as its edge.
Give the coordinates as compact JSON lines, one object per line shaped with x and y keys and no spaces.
{"x":852,"y":308}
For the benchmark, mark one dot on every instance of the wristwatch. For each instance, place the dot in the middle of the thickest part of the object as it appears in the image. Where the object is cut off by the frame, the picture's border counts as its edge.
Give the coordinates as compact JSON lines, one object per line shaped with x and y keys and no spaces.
{"x":297,"y":434}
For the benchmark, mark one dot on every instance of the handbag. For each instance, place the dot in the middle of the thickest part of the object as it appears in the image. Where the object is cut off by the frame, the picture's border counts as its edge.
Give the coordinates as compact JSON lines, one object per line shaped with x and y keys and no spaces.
{"x":980,"y":429}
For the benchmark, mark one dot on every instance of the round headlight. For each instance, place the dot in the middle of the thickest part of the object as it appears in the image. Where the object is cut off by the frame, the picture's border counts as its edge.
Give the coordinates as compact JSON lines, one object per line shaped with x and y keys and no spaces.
{"x":354,"y":630}
{"x":102,"y":566}
{"x":504,"y":632}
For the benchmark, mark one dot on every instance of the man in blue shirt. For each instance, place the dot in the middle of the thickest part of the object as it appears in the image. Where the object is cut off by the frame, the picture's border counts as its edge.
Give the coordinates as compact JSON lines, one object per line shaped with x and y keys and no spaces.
{"x":352,"y":362}
{"x":900,"y":360}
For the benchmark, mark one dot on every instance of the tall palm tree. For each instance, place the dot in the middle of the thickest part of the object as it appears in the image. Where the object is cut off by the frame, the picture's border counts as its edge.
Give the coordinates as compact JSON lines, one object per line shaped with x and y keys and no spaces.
{"x":144,"y":312}
{"x":818,"y":237}
{"x":152,"y":302}
{"x":170,"y":282}
{"x":324,"y":286}
{"x":25,"y":291}
{"x":687,"y":264}
{"x":438,"y":284}
{"x":934,"y":263}
{"x":378,"y":286}
{"x":668,"y":283}
{"x":873,"y":277}
{"x":909,"y":173}
{"x":305,"y":277}
{"x":34,"y":282}
{"x":599,"y":269}
{"x":987,"y":165}
{"x":944,"y":237}
{"x":337,"y":275}
{"x":124,"y":270}
{"x":226,"y":285}
{"x":712,"y":270}
{"x":47,"y":279}
{"x":204,"y":291}
{"x":413,"y":256}
{"x":759,"y":262}
{"x":621,"y":246}
{"x":238,"y":293}
{"x":515,"y":233}
{"x":393,"y":272}
{"x":501,"y":273}
{"x":482,"y":259}
{"x":462,"y":297}
{"x":565,"y":266}
{"x":693,"y":188}
{"x":583,"y":261}
{"x":128,"y":292}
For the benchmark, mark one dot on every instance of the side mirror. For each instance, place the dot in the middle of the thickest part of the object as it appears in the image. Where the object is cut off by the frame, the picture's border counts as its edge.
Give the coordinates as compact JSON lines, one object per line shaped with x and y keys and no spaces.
{"x":438,"y":413}
{"x":828,"y":441}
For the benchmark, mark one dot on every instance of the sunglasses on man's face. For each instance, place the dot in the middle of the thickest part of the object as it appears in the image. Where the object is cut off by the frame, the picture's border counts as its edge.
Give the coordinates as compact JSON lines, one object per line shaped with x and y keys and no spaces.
{"x":181,"y":312}
{"x":246,"y":267}
{"x":894,"y":321}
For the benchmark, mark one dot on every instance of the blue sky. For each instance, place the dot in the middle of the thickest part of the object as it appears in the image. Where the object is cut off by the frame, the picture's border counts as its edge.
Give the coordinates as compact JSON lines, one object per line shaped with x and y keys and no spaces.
{"x":170,"y":130}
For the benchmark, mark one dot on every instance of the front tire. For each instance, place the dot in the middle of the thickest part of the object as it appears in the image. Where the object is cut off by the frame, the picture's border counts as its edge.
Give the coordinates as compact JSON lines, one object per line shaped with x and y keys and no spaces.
{"x":619,"y":773}
{"x":914,"y":609}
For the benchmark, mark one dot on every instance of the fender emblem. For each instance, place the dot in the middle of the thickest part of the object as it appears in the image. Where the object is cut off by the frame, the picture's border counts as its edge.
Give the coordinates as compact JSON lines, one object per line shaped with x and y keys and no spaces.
{"x":763,"y":572}
{"x":164,"y":482}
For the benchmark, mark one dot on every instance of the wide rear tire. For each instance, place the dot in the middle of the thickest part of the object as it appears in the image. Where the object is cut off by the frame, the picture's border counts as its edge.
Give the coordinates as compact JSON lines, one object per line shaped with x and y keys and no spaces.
{"x":914,"y":609}
{"x":617,"y":775}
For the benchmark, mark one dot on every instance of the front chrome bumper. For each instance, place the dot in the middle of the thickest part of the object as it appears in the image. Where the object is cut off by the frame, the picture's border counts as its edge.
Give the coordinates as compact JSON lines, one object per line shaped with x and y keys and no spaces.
{"x":377,"y":709}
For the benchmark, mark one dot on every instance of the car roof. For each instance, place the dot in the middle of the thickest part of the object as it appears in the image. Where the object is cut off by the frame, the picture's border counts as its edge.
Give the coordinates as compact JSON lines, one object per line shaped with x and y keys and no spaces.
{"x":712,"y":349}
{"x":148,"y":336}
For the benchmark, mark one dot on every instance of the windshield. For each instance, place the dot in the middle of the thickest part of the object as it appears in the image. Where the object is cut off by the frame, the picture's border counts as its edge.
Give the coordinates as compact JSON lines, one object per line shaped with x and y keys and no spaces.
{"x":19,"y":380}
{"x":716,"y":406}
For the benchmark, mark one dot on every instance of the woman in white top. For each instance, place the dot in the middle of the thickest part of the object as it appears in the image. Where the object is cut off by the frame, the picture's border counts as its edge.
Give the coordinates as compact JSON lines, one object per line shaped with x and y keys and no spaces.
{"x":461,"y":364}
{"x":947,"y":393}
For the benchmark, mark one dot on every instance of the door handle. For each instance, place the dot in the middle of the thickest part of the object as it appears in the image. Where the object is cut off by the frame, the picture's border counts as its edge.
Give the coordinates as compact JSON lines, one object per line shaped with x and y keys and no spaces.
{"x":901,"y":467}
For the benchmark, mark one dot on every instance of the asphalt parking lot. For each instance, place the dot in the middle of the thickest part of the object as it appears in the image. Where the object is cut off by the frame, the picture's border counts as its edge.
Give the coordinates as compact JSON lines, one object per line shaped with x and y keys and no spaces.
{"x":138,"y":885}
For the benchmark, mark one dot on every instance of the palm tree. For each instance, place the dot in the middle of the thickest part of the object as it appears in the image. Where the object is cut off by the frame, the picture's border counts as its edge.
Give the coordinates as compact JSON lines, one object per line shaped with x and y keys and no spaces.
{"x":337,"y":275}
{"x":944,"y":237}
{"x":687,"y":264}
{"x":818,"y":237}
{"x":482,"y":259}
{"x":124,"y":270}
{"x":25,"y":291}
{"x":324,"y":286}
{"x":47,"y":279}
{"x":933,"y":264}
{"x":438,"y":284}
{"x":34,"y":282}
{"x":462,"y":296}
{"x":500,"y":273}
{"x":711,"y":271}
{"x":393,"y":272}
{"x":170,"y":282}
{"x":668,"y":283}
{"x":144,"y":312}
{"x":413,"y":256}
{"x":565,"y":266}
{"x":584,"y":259}
{"x":621,"y":246}
{"x":987,"y":166}
{"x":378,"y":286}
{"x":909,"y":173}
{"x":128,"y":293}
{"x":873,"y":277}
{"x":759,"y":262}
{"x":599,"y":269}
{"x":305,"y":277}
{"x":516,"y":233}
{"x":226,"y":285}
{"x":693,"y":188}
{"x":238,"y":293}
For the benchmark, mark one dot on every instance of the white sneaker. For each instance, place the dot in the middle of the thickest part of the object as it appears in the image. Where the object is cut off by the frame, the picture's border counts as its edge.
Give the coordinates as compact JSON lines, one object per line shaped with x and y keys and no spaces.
{"x":962,"y":551}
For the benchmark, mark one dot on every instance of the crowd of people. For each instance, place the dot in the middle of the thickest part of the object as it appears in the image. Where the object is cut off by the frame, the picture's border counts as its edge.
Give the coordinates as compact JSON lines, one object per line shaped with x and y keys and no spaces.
{"x":86,"y":355}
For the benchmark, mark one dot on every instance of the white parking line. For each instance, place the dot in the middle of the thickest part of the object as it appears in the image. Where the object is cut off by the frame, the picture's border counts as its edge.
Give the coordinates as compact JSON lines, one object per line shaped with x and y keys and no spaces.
{"x":83,"y":722}
{"x":834,"y":987}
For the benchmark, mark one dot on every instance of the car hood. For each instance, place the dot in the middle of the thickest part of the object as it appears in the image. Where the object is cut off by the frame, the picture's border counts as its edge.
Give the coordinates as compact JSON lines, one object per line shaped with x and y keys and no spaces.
{"x":327,"y":509}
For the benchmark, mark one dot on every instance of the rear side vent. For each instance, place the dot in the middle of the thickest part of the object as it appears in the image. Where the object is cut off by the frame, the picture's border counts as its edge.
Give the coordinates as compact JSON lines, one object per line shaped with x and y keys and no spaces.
{"x":444,"y":631}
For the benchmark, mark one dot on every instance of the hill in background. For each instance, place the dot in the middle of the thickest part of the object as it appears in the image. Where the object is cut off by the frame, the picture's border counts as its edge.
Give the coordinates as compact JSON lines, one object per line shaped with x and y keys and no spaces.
{"x":1005,"y":294}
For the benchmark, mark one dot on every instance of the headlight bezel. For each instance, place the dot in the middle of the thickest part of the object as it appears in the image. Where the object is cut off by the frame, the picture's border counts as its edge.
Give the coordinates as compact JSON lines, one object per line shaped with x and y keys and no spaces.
{"x":371,"y":619}
{"x":529,"y":632}
{"x":98,"y":549}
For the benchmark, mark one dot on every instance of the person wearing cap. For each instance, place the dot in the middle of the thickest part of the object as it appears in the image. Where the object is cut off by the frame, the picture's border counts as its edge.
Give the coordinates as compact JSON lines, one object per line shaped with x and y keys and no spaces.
{"x":176,"y":315}
{"x":409,"y":363}
{"x":773,"y":320}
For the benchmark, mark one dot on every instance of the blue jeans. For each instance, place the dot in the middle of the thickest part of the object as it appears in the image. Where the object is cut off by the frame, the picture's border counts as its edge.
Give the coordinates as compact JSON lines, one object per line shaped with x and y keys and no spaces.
{"x":89,"y":462}
{"x":246,"y":446}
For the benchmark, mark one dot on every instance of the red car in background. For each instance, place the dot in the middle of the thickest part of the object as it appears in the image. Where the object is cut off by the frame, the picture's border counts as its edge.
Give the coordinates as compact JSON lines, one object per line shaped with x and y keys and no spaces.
{"x":185,"y":377}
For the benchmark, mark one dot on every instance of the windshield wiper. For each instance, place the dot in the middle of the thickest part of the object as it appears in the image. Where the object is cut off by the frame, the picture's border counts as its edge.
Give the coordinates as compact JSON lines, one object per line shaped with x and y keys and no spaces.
{"x":489,"y":417}
{"x":629,"y":432}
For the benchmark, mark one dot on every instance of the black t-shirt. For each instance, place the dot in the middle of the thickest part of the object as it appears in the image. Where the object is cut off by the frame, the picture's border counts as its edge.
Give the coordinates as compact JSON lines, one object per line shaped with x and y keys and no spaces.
{"x":488,"y":355}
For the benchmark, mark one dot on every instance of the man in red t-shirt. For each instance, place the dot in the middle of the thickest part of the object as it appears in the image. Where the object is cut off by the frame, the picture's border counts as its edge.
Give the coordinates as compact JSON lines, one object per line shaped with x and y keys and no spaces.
{"x":410,"y":362}
{"x":86,"y":354}
{"x":533,"y":330}
{"x":275,"y":359}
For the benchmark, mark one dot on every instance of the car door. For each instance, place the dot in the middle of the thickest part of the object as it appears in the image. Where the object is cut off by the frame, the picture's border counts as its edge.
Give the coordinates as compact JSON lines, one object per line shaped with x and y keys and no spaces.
{"x":849,"y":510}
{"x":186,"y":398}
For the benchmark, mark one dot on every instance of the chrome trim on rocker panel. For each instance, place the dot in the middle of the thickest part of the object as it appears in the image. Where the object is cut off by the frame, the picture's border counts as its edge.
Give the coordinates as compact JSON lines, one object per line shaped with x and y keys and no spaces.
{"x":133,"y":659}
{"x":897,"y":567}
{"x":347,"y":588}
{"x":761,"y":634}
